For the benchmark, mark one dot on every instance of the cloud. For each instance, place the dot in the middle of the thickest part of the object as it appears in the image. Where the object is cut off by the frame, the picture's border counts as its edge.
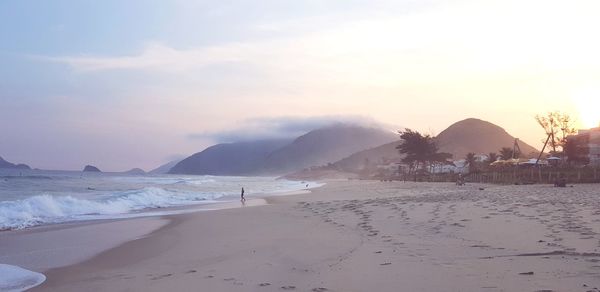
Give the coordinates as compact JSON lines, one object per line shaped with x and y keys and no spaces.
{"x":283,"y":127}
{"x":445,"y":44}
{"x":157,"y":56}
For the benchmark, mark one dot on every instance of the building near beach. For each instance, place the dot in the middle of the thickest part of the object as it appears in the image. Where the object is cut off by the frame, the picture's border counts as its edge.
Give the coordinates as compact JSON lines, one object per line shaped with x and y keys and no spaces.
{"x":586,"y":146}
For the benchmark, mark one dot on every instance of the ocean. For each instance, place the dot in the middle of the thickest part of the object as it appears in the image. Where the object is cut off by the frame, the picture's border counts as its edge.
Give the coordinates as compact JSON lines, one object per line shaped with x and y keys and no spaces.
{"x":35,"y":197}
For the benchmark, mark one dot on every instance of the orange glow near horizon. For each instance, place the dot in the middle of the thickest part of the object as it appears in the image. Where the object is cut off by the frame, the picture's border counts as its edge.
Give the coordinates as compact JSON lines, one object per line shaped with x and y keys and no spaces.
{"x":588,"y":106}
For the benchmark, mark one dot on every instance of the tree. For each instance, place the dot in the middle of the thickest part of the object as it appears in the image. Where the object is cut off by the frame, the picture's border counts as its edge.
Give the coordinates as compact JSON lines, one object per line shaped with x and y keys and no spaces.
{"x":492,"y":156}
{"x":419,"y":150}
{"x":558,"y":126}
{"x":506,"y":153}
{"x":440,"y":159}
{"x":416,"y":148}
{"x":471,"y":161}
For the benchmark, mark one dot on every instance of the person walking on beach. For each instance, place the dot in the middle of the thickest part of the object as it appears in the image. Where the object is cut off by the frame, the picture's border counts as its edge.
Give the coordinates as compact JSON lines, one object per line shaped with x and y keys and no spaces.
{"x":243,"y":199}
{"x":461,"y":180}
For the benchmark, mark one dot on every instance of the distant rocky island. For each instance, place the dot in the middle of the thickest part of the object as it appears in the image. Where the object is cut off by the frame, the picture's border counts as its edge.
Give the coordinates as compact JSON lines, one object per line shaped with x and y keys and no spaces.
{"x":6,"y":164}
{"x":135,"y":171}
{"x":91,"y":168}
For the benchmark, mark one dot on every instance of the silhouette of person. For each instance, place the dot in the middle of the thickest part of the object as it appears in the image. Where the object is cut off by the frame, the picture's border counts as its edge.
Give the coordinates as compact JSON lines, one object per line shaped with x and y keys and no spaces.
{"x":461,"y":180}
{"x":243,"y":199}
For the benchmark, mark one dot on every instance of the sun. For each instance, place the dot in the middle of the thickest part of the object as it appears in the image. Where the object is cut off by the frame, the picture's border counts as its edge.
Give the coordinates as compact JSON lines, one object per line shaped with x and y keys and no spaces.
{"x":587,"y":102}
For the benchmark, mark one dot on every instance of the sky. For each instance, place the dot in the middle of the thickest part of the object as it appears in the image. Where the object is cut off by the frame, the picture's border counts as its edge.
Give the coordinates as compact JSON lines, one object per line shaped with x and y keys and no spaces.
{"x":123,"y":84}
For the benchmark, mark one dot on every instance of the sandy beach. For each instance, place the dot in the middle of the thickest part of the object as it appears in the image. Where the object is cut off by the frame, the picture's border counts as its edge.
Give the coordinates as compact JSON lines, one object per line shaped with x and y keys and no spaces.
{"x":365,"y":236}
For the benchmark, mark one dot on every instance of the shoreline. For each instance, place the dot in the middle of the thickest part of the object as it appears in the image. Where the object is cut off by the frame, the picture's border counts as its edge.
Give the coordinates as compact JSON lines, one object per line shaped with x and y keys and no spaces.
{"x":138,"y":250}
{"x":357,"y":235}
{"x":23,"y":247}
{"x":227,"y":202}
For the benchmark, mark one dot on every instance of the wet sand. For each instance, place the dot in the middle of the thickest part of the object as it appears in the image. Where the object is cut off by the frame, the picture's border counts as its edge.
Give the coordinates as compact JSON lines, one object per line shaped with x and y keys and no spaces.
{"x":365,"y":236}
{"x":46,"y":247}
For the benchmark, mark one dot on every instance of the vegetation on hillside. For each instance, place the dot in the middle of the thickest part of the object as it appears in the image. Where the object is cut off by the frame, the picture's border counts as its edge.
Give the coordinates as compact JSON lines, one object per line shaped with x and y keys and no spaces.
{"x":420,"y":151}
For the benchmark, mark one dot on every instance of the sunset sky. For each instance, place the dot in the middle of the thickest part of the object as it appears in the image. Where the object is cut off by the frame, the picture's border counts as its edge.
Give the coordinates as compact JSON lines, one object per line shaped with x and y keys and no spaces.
{"x":123,"y":84}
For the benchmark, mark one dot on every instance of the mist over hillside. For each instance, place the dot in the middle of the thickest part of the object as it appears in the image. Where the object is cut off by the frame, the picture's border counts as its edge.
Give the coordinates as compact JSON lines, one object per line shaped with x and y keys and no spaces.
{"x":164,"y":168}
{"x":325,"y":145}
{"x":460,"y":138}
{"x":276,"y":157}
{"x":346,"y":148}
{"x":240,"y":158}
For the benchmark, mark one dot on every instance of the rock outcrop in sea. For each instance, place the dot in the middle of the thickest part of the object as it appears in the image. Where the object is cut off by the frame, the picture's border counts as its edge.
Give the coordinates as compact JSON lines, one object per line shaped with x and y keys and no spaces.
{"x":91,"y":168}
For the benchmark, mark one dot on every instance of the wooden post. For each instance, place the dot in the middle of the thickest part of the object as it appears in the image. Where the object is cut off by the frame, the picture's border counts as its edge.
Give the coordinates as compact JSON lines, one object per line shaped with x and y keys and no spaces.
{"x":531,"y":174}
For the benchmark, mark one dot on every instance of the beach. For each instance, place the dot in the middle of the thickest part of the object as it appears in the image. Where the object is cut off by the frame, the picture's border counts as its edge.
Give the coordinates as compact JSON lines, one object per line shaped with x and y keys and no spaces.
{"x":363,"y":236}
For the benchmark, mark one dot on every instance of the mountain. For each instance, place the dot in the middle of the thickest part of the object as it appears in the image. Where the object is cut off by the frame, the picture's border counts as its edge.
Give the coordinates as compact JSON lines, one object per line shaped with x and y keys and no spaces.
{"x":470,"y":135}
{"x":6,"y":164}
{"x":91,"y":168}
{"x":165,"y":168}
{"x":375,"y":155}
{"x":352,"y":166}
{"x":274,"y":157}
{"x":325,"y":145}
{"x":478,"y":136}
{"x":240,"y":158}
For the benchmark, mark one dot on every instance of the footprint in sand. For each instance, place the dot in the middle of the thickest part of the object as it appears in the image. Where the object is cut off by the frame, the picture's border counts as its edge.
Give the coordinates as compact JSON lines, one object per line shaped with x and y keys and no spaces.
{"x":320,"y":289}
{"x":264,"y":284}
{"x":288,"y":287}
{"x":161,"y":276}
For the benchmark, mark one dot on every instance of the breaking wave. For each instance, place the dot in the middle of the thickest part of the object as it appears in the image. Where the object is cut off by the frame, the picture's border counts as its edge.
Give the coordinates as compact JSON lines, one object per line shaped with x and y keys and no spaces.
{"x":46,"y":208}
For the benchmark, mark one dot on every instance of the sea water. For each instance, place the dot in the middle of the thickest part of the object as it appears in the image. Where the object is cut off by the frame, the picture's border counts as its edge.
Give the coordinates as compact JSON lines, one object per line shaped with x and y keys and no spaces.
{"x":30,"y":198}
{"x":34,"y":197}
{"x":13,"y":278}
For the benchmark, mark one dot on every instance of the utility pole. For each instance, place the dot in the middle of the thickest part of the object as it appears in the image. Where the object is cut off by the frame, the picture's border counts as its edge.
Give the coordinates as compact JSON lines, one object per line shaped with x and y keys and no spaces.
{"x":515,"y":148}
{"x":543,"y":148}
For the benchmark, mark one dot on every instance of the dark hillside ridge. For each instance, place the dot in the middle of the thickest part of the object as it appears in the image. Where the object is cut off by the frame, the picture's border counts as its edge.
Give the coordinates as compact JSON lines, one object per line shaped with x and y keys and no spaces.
{"x":477,"y":136}
{"x":277,"y":157}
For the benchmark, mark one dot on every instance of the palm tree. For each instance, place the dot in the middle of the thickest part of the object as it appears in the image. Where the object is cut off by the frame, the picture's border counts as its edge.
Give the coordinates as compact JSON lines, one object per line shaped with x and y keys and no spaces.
{"x":419,"y":150}
{"x":506,"y":153}
{"x":471,"y":161}
{"x":492,"y":156}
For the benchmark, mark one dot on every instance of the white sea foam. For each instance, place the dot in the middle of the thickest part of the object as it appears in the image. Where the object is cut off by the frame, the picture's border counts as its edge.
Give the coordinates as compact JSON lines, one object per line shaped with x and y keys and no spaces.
{"x":74,"y":198}
{"x":45,"y":208}
{"x":13,"y":278}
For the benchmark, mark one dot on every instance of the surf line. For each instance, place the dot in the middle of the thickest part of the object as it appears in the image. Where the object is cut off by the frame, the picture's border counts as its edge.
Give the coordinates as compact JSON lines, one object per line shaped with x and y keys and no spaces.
{"x":14,"y":278}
